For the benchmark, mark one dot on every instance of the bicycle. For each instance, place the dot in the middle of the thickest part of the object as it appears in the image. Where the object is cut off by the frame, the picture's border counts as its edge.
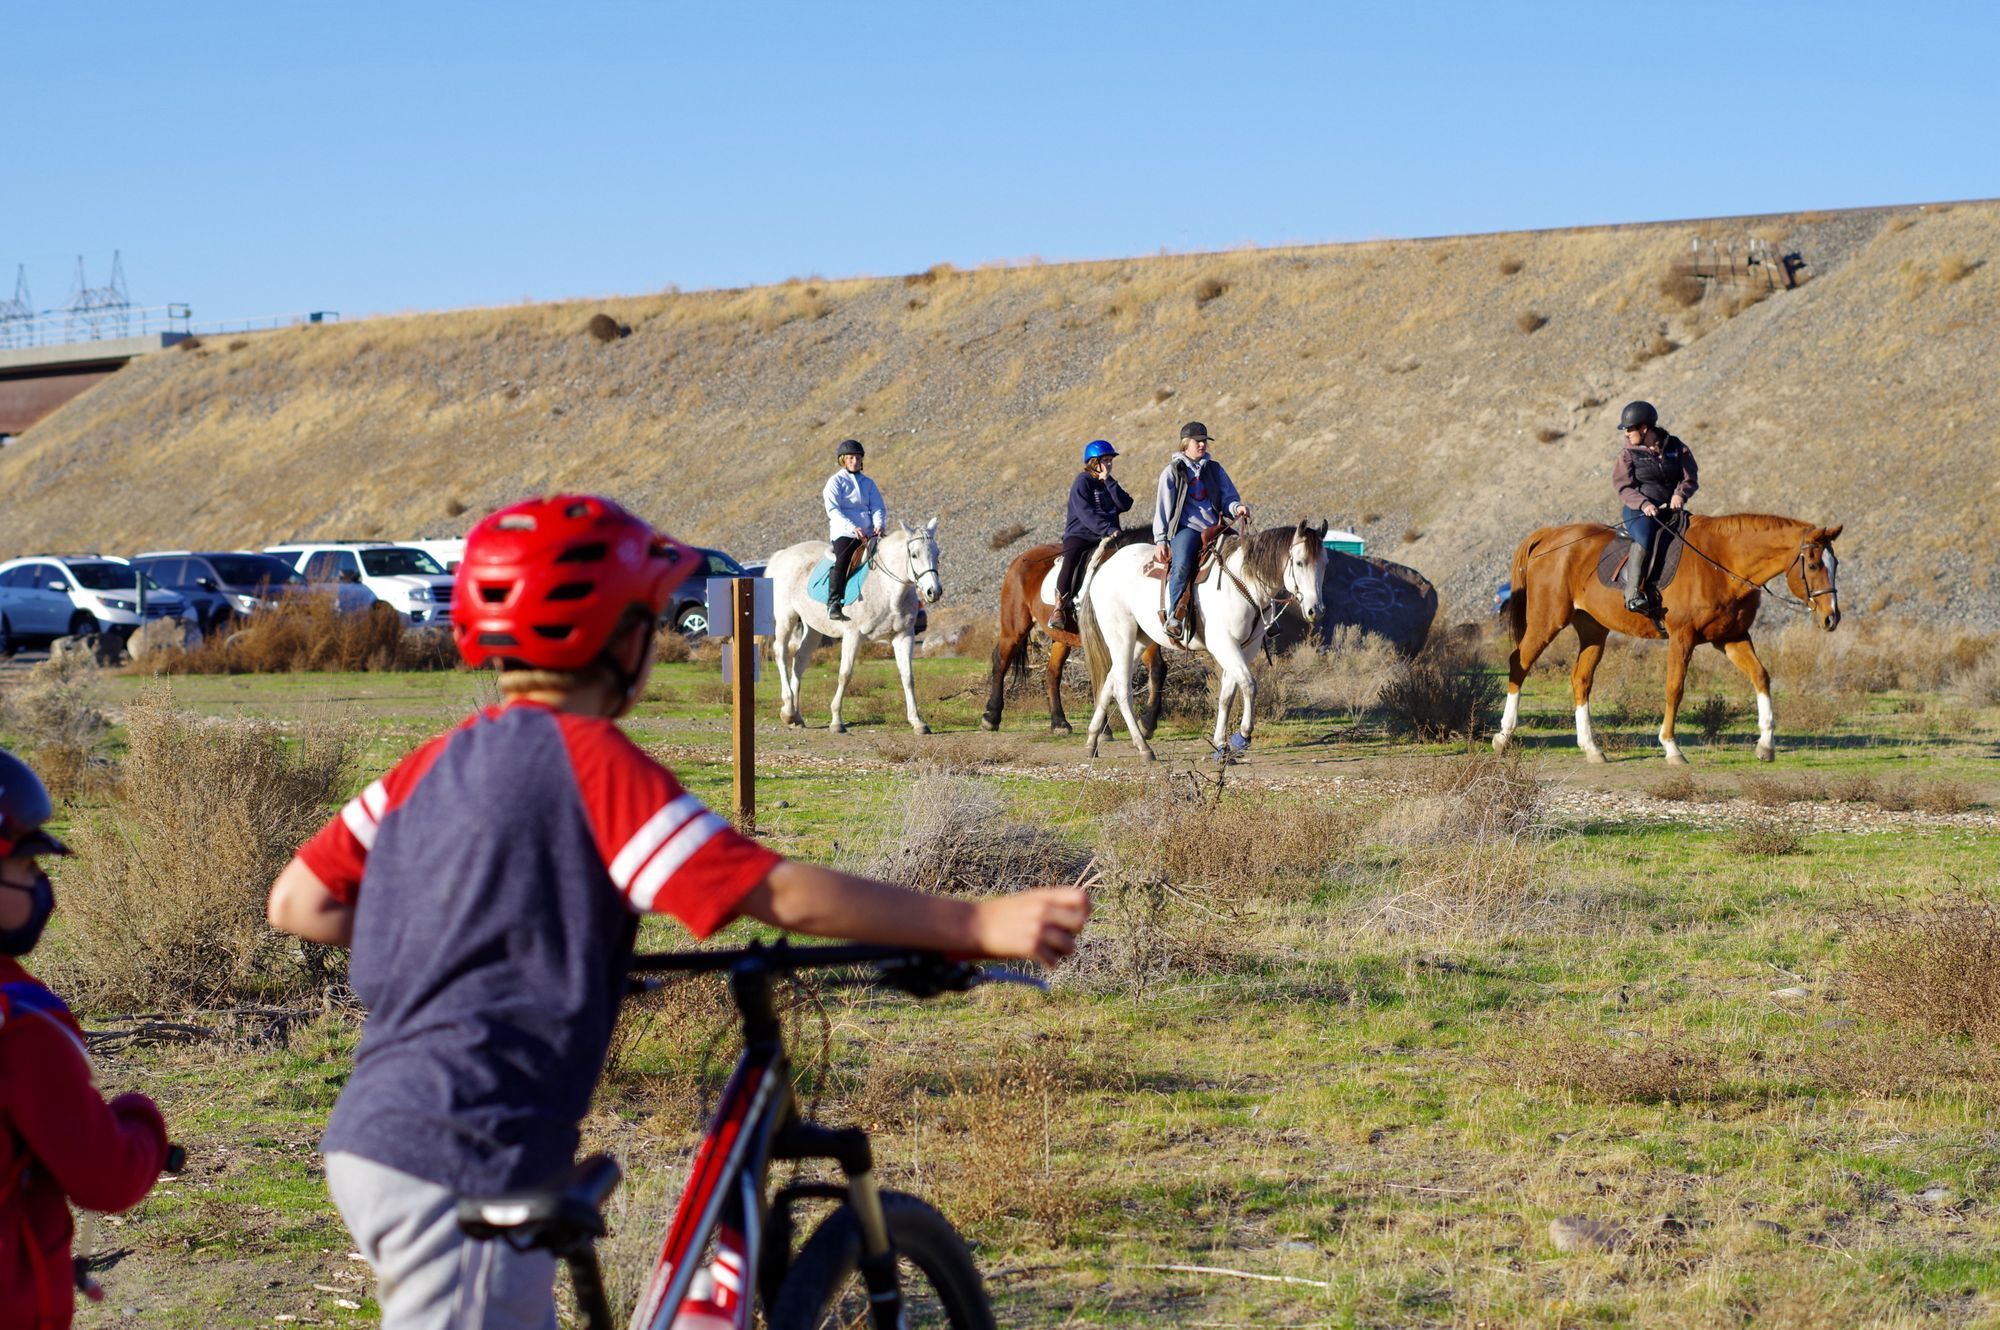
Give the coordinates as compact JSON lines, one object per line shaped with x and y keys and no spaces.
{"x":727,"y":1208}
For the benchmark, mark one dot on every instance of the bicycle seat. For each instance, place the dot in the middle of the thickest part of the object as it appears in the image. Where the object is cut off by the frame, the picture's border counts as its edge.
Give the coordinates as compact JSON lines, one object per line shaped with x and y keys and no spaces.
{"x":560,"y":1216}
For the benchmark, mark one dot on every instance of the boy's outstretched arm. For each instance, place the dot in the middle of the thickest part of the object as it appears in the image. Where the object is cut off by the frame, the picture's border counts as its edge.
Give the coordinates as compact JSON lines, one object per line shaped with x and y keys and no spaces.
{"x":1039,"y":925}
{"x":301,"y":905}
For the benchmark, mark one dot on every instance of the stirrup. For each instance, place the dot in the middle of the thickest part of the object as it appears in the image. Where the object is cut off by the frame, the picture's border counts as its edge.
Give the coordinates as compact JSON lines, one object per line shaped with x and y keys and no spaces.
{"x":836,"y":610}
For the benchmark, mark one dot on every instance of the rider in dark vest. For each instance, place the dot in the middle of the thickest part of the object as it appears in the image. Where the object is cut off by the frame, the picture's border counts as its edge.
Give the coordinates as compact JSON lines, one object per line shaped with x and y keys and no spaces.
{"x":1655,"y":471}
{"x":1095,"y":501}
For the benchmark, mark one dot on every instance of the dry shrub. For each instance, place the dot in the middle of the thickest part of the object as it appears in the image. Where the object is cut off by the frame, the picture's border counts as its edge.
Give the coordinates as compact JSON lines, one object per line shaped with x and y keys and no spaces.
{"x":454,"y":507}
{"x":1481,"y":796}
{"x":1878,"y":654}
{"x":1479,"y":889}
{"x":1510,"y":266}
{"x":671,"y":648}
{"x":1901,"y":1062}
{"x":1744,"y":298}
{"x":1681,"y":786}
{"x":604,"y":328}
{"x":1953,"y":268}
{"x":1209,"y":288}
{"x":1778,"y":791}
{"x":1712,"y":716}
{"x":309,"y":633}
{"x":56,"y":714}
{"x":1006,"y":535}
{"x":1853,"y":788}
{"x":1195,"y":834}
{"x":1529,"y":321}
{"x":1660,"y":345}
{"x":996,"y":1163}
{"x":957,"y":835}
{"x":1683,"y":289}
{"x":1162,"y":394}
{"x":1660,"y":1072}
{"x":1907,"y":794}
{"x":1766,"y":838}
{"x":1549,"y":434}
{"x":1411,"y":535}
{"x":1354,"y":670}
{"x":1978,"y":683}
{"x":1445,"y":690}
{"x":1935,"y":965}
{"x":164,"y":905}
{"x":1817,"y":713}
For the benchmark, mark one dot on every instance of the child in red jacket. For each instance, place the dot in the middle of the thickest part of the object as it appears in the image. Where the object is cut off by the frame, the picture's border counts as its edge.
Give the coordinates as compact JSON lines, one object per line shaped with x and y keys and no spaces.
{"x":59,"y":1141}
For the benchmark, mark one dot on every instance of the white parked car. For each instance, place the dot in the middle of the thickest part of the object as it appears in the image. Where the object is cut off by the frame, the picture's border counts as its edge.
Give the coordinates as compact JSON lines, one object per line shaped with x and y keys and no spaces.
{"x":446,"y":552}
{"x":46,"y":596}
{"x":407,"y":580}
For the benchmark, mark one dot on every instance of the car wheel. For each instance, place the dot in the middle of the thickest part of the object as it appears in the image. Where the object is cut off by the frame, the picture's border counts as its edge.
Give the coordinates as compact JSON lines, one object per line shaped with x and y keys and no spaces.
{"x":692,"y":621}
{"x":222,"y":621}
{"x":81,"y":624}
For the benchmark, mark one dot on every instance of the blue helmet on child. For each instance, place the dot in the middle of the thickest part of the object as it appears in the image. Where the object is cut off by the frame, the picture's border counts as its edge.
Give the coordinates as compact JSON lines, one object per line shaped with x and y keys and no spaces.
{"x":1097,"y":448}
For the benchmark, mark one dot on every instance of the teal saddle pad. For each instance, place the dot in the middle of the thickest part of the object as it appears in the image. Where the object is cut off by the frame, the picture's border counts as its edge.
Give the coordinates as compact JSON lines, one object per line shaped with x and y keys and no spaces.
{"x":816,"y":585}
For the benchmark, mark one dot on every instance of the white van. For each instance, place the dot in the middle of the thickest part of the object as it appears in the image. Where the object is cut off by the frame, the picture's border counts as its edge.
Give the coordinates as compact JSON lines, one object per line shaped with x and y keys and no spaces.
{"x":407,"y":580}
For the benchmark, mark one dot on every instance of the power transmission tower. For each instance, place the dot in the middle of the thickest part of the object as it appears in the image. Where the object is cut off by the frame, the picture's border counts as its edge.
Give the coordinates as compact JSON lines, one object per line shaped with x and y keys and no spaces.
{"x":16,"y":315}
{"x":97,"y":312}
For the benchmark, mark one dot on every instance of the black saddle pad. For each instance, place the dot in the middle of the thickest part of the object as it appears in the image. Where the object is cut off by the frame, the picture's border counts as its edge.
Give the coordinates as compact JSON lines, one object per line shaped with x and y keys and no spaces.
{"x":1612,"y":562}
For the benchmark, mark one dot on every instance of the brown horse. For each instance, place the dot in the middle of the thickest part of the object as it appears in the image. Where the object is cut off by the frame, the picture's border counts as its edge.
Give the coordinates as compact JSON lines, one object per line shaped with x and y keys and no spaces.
{"x":1023,"y":612}
{"x":1713,"y":598}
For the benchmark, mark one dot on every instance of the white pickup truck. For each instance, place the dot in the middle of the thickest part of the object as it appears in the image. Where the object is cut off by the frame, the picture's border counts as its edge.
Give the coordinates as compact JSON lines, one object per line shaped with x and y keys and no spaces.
{"x":407,"y":580}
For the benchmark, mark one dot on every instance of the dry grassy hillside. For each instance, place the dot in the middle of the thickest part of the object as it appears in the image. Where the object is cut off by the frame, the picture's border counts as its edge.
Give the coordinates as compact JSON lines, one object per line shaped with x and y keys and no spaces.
{"x":1402,"y":387}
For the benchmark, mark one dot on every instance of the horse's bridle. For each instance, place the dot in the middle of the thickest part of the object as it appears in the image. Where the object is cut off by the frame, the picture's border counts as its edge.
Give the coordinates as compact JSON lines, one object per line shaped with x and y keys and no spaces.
{"x":917,"y":574}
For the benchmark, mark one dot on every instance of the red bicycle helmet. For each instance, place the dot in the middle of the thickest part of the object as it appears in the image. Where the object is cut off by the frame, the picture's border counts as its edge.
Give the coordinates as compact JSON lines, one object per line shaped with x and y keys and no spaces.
{"x":546,"y":582}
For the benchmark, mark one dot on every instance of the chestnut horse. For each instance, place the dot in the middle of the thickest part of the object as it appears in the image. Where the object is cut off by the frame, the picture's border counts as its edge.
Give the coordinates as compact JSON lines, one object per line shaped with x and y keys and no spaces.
{"x":1023,"y":612}
{"x":1713,"y":598}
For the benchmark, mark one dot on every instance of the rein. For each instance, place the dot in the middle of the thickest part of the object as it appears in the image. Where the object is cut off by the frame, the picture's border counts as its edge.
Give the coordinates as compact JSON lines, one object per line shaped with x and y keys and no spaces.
{"x":1785,"y":598}
{"x":916,"y":574}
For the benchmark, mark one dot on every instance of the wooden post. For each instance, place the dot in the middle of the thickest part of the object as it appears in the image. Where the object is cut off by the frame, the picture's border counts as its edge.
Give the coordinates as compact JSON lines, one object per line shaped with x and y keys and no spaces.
{"x":743,"y":714}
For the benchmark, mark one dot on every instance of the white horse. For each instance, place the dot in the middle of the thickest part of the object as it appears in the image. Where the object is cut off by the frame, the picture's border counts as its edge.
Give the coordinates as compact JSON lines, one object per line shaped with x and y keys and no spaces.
{"x":904,"y":573}
{"x":1244,"y":592}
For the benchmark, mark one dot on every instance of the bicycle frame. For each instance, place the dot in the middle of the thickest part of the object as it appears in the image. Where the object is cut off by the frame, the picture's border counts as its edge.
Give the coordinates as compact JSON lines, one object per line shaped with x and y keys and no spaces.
{"x":755,"y":1123}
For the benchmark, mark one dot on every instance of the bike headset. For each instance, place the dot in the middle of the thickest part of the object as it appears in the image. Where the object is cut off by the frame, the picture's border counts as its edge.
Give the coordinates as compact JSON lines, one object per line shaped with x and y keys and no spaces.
{"x":548,"y":583}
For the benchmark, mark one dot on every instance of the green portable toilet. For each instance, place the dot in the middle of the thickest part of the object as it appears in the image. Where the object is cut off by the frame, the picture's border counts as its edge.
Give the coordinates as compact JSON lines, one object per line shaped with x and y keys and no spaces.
{"x":1346,"y":542}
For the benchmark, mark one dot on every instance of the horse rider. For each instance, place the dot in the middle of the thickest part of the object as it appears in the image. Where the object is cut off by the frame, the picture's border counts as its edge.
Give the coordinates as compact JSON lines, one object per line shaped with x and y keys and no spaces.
{"x":1195,"y":496}
{"x":1095,"y":501}
{"x":1654,"y":470}
{"x":854,"y":513}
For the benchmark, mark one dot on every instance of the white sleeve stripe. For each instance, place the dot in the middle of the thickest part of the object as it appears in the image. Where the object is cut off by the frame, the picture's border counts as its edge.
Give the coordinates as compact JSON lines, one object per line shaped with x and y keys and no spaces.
{"x":357,"y":820}
{"x":650,"y":836}
{"x":668,"y":861}
{"x":375,"y":798}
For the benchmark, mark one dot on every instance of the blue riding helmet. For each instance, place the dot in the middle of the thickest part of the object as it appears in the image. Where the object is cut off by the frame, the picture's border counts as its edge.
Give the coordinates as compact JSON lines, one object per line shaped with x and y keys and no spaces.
{"x":1097,"y":448}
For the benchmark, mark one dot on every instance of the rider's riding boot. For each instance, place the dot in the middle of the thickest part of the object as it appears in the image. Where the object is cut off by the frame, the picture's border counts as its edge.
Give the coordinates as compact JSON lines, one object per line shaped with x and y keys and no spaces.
{"x":834,"y":608}
{"x":1064,"y":619}
{"x":1637,"y":598}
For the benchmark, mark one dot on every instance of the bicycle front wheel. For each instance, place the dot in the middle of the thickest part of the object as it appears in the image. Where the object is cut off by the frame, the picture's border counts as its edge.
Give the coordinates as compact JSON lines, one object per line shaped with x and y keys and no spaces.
{"x":940,"y":1283}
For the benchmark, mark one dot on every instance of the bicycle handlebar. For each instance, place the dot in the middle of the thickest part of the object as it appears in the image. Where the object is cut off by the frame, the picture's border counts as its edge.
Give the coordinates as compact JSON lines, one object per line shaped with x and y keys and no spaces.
{"x":907,"y":969}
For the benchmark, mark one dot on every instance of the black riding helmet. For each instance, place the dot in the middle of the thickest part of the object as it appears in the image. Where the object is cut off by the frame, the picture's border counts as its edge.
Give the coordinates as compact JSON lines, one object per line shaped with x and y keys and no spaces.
{"x":24,"y":806}
{"x":1637,"y":415}
{"x":849,"y":448}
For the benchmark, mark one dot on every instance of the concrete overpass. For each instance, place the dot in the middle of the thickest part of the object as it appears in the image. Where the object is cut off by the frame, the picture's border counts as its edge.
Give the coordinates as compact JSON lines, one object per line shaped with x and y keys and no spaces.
{"x":35,"y":380}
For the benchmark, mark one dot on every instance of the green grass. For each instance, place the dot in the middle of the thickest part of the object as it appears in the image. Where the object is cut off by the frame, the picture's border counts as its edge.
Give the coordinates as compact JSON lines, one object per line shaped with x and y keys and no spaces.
{"x":1395,"y":1116}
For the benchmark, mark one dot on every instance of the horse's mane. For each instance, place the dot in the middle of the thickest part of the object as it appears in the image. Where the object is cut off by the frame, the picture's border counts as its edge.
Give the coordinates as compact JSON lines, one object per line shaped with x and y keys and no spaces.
{"x":1266,"y":553}
{"x":1134,"y":535}
{"x":1733,"y":523}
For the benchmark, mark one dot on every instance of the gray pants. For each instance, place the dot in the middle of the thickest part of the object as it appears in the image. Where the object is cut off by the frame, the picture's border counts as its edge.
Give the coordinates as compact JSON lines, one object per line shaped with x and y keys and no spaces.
{"x":428,"y":1275}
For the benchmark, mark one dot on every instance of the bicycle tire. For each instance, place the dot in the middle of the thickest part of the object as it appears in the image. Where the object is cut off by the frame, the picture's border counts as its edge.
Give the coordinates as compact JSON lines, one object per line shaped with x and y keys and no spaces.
{"x":823,"y":1291}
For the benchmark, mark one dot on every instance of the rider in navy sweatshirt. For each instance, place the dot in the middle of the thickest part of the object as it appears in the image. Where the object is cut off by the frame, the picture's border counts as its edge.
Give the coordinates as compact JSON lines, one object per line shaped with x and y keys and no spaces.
{"x":1095,"y":501}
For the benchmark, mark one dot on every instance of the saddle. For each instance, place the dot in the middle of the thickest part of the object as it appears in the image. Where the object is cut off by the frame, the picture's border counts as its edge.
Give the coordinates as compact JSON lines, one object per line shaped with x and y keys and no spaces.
{"x":1205,"y":555}
{"x":820,"y":580}
{"x":1667,"y":561}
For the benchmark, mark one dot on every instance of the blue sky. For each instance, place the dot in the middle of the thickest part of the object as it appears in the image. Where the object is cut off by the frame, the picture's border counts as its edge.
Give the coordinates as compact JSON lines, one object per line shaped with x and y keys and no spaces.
{"x":370,"y":158}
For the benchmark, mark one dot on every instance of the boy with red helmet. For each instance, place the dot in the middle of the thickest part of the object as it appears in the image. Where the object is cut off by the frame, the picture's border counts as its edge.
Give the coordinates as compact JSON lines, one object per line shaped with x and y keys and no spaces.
{"x":490,"y":887}
{"x":60,"y":1143}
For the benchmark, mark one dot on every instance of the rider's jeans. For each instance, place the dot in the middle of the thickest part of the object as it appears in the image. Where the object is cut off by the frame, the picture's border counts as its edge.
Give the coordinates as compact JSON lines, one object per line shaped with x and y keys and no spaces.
{"x":1642,"y":529}
{"x":1186,"y":542}
{"x":428,"y":1275}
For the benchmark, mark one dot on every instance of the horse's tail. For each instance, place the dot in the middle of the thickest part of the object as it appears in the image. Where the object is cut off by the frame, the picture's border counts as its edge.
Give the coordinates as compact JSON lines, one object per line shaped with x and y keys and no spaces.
{"x":1517,"y":588}
{"x":1096,"y":653}
{"x":1015,"y":662}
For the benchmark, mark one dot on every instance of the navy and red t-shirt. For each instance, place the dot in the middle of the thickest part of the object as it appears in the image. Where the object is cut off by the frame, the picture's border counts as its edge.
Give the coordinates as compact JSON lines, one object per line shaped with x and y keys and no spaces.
{"x":497,"y":874}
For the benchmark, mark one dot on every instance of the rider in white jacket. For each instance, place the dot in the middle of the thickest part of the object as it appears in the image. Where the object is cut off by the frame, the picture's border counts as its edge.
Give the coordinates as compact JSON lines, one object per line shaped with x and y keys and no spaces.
{"x":854,"y":512}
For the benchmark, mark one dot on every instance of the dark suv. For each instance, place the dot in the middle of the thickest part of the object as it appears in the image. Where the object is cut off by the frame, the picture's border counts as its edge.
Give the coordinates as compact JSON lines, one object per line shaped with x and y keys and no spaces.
{"x":221,"y":585}
{"x":689,"y":612}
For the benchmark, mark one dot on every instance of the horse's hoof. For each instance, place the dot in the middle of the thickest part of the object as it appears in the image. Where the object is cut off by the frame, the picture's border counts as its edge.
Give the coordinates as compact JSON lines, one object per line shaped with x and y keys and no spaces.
{"x":1676,"y":759}
{"x":988,"y":724}
{"x":1148,"y":755}
{"x":1499,"y":743}
{"x":923,"y":729}
{"x":1767,"y":753}
{"x":1061,"y":729}
{"x":1238,"y":742}
{"x":836,"y":728}
{"x":1594,"y":756}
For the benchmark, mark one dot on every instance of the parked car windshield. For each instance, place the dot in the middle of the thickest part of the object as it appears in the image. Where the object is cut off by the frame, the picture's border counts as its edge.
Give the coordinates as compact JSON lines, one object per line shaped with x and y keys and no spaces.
{"x":721,"y":565}
{"x":109,"y":577}
{"x":254,"y":570}
{"x":399,"y":562}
